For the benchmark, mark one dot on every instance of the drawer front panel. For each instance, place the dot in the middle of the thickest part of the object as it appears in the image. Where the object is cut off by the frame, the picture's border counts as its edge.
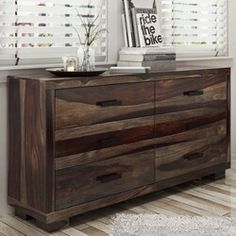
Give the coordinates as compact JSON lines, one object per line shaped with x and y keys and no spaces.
{"x":182,"y":121}
{"x":99,"y":179}
{"x":176,"y":95}
{"x":188,"y":156}
{"x":97,"y":105}
{"x":99,"y":141}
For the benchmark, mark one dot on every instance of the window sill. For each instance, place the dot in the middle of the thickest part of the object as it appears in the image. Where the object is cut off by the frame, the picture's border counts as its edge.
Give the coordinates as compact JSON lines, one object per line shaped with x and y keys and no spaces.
{"x":192,"y":59}
{"x":28,"y":67}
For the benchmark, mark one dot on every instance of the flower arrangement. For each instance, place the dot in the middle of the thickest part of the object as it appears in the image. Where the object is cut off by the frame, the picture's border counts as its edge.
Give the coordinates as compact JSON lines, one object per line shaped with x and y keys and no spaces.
{"x":92,"y":27}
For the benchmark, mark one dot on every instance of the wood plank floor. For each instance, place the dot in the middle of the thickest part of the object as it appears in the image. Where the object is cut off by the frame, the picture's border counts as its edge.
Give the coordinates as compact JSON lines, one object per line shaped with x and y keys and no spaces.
{"x":206,"y":198}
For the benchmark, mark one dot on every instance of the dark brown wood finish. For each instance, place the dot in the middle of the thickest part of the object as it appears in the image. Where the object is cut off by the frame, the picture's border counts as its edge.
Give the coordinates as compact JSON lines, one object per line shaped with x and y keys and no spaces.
{"x":109,"y":106}
{"x":35,"y":143}
{"x":185,"y":94}
{"x":79,"y":144}
{"x":85,"y":183}
{"x":63,"y":214}
{"x":15,"y":143}
{"x":50,"y":150}
{"x":103,"y":140}
{"x":208,"y":131}
{"x":178,"y":159}
{"x":51,"y":227}
{"x":187,"y":105}
{"x":177,"y":122}
{"x":229,"y":117}
{"x":32,"y":169}
{"x":102,"y":104}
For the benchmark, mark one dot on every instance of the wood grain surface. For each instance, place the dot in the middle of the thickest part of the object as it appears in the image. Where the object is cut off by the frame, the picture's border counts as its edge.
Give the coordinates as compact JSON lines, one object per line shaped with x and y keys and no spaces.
{"x":15,"y":139}
{"x":89,"y":182}
{"x":29,"y":169}
{"x":96,"y":105}
{"x":176,"y":95}
{"x":186,"y":157}
{"x":80,"y":144}
{"x":103,"y":140}
{"x":196,"y":198}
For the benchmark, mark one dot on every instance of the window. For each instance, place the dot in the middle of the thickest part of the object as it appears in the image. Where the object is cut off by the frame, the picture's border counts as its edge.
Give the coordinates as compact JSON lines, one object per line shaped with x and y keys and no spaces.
{"x":197,"y":28}
{"x":34,"y":32}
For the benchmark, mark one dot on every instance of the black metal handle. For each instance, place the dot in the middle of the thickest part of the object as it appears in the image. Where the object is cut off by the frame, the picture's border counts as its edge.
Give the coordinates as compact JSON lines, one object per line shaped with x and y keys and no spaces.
{"x":193,"y":93}
{"x":109,"y":103}
{"x":193,"y":156}
{"x":193,"y":125}
{"x":109,"y":177}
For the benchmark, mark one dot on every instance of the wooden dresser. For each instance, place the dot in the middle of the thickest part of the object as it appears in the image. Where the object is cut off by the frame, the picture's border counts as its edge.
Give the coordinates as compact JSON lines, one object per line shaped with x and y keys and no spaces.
{"x":79,"y":144}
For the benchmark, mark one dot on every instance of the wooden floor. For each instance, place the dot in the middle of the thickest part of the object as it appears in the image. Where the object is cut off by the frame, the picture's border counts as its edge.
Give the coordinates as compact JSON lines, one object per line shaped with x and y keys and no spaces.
{"x":206,"y":198}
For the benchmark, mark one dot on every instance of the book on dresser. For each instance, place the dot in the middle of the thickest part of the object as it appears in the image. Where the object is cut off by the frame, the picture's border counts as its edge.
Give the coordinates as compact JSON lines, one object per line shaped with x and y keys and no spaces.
{"x":154,"y":65}
{"x":142,"y":23}
{"x":129,"y":70}
{"x":147,"y":57}
{"x":159,"y":58}
{"x":148,"y":27}
{"x":128,"y":27}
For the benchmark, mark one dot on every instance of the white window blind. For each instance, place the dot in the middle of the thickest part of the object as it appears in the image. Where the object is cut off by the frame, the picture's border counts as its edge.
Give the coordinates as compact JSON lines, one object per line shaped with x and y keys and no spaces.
{"x":42,"y":31}
{"x":197,"y":28}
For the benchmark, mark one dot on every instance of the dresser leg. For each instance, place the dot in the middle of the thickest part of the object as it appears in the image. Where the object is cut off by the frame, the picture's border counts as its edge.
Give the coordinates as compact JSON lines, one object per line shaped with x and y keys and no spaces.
{"x":21,"y":214}
{"x":219,"y":175}
{"x":52,"y":226}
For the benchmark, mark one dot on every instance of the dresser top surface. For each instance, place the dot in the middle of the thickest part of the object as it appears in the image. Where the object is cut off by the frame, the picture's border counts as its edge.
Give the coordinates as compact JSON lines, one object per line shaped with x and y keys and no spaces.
{"x":53,"y":82}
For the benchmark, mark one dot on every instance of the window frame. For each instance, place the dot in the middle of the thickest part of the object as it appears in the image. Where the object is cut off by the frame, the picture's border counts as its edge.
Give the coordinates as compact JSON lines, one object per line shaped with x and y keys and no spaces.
{"x":49,"y":65}
{"x":180,"y":55}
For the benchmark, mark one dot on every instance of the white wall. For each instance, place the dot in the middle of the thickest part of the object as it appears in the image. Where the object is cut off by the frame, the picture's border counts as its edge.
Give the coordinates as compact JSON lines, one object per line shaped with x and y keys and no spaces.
{"x":232,"y":52}
{"x":115,"y":41}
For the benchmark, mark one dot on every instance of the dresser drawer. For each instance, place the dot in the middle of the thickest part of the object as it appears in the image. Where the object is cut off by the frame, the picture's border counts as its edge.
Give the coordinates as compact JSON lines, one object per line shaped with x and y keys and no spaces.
{"x":190,"y":155}
{"x":182,"y":121}
{"x":99,"y":179}
{"x":190,"y":93}
{"x":102,"y":104}
{"x":97,"y":138}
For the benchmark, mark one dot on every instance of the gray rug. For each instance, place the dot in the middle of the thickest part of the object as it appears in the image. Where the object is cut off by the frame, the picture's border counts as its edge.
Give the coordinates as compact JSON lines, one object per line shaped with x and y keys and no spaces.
{"x":160,"y":225}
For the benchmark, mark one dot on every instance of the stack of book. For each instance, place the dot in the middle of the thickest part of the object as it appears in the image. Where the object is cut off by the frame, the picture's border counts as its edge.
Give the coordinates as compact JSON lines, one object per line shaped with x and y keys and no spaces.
{"x":144,"y":47}
{"x":156,"y":58}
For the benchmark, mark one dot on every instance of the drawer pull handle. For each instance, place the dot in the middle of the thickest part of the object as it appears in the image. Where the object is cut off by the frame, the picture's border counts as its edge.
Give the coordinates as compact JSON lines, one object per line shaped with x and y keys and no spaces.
{"x":193,"y":156}
{"x":193,"y":125}
{"x":109,"y":103}
{"x":193,"y":93}
{"x":109,"y":177}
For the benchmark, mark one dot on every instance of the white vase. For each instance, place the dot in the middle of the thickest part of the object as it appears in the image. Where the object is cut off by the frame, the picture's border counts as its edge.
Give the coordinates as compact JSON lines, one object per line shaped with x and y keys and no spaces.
{"x":86,"y":56}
